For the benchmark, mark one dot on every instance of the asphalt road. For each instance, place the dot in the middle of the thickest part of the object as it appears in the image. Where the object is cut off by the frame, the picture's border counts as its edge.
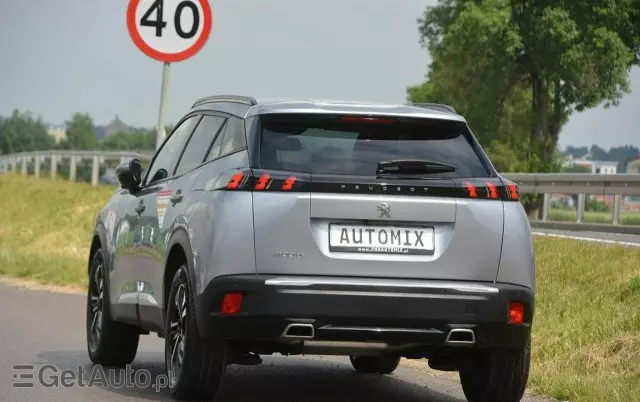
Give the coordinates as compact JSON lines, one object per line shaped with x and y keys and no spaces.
{"x":46,"y":329}
{"x":630,"y":240}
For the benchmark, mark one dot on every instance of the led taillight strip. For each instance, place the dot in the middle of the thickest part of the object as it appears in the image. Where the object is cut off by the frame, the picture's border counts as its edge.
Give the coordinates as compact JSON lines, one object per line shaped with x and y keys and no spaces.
{"x":260,"y":181}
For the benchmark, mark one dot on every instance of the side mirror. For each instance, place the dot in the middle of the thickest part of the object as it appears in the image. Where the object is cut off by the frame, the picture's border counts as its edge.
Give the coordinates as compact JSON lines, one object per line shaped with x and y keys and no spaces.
{"x":129,"y":174}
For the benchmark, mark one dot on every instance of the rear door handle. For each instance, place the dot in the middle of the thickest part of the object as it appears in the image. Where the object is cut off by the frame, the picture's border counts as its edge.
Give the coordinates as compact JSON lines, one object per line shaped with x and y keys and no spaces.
{"x":140,"y":208}
{"x":176,"y":197}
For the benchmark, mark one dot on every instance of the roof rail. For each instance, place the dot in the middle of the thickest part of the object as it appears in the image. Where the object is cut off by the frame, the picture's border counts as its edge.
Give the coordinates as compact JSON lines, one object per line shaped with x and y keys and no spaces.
{"x":245,"y":100}
{"x":439,"y":106}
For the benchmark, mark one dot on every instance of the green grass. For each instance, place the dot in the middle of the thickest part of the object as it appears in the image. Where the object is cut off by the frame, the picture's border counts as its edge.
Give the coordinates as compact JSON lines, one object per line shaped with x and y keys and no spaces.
{"x":570,"y":215}
{"x":586,"y":339}
{"x":46,"y":226}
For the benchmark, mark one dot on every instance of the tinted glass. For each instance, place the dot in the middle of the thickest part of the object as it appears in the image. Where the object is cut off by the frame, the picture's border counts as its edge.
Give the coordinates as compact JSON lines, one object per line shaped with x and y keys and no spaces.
{"x":199,"y":142}
{"x":234,"y":137}
{"x":215,"y":148}
{"x":335,"y":145}
{"x":165,"y":161}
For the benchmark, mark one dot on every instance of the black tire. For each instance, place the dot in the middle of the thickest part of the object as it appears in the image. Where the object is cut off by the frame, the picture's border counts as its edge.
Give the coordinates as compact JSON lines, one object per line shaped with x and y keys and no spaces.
{"x":109,"y":343}
{"x":375,"y":365}
{"x":497,"y":376}
{"x":199,"y":374}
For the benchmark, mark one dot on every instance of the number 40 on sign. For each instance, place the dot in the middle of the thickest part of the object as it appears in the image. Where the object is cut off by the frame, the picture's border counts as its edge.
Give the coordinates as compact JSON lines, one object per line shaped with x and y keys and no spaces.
{"x":168,"y":31}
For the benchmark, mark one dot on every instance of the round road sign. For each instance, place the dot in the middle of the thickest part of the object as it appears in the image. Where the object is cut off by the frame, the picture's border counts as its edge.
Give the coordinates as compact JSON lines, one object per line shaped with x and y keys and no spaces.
{"x":169,"y":30}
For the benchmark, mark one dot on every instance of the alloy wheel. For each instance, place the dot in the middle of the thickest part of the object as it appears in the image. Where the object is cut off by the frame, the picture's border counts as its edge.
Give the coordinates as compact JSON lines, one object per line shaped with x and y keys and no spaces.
{"x":177,"y":333}
{"x":96,"y":303}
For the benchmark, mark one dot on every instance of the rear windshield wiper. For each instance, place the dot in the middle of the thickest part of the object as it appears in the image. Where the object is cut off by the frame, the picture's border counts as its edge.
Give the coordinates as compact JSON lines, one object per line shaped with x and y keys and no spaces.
{"x":412,"y":167}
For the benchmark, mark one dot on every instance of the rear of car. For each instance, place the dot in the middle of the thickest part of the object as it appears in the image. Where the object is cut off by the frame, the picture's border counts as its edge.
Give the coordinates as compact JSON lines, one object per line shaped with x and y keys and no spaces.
{"x":376,"y":235}
{"x":349,"y":219}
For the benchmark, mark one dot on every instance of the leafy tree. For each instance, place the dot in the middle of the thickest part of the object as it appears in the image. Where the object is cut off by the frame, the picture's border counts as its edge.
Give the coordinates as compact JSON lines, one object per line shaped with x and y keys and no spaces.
{"x":81,"y":133}
{"x":561,"y":55}
{"x":576,"y":169}
{"x":22,"y":133}
{"x":517,"y":69}
{"x":576,"y":152}
{"x":140,"y":140}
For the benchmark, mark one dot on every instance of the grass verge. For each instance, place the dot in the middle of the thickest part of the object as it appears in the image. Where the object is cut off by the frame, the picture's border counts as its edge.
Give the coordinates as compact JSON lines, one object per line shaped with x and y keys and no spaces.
{"x":46,"y":226}
{"x":586,"y":340}
{"x":569,"y":215}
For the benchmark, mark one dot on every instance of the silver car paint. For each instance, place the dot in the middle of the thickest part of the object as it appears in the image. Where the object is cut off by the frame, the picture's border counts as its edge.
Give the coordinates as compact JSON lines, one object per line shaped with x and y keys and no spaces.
{"x":243,"y":232}
{"x":517,"y":260}
{"x":222,"y":224}
{"x":467,"y":244}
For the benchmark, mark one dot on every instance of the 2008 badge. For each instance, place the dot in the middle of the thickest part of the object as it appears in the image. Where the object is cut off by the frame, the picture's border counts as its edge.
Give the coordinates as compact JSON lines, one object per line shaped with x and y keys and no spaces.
{"x":281,"y":254}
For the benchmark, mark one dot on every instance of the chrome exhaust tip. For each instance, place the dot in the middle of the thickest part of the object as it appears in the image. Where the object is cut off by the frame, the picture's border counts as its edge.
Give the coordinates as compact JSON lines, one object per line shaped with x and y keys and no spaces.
{"x":461,"y":336}
{"x":299,"y":331}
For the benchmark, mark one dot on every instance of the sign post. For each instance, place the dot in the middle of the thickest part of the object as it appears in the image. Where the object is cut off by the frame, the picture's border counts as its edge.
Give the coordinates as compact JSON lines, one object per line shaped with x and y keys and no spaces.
{"x":160,"y":131}
{"x":168,"y":31}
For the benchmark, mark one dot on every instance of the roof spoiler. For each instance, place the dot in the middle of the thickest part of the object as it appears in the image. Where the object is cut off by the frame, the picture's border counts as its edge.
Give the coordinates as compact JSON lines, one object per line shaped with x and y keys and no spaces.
{"x":435,"y":106}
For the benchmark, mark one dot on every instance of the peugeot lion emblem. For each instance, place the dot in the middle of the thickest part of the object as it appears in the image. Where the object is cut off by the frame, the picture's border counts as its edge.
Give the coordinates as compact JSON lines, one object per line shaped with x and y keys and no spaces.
{"x":384,"y":210}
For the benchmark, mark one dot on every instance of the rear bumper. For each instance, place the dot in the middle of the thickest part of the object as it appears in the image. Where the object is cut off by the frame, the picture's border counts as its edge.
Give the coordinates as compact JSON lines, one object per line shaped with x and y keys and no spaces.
{"x":351,"y":309}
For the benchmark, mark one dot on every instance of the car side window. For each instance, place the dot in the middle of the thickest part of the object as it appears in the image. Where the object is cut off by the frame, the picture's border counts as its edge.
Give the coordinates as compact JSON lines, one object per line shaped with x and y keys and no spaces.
{"x":196,"y":149}
{"x":164,"y":162}
{"x":234,"y":136}
{"x":215,"y":148}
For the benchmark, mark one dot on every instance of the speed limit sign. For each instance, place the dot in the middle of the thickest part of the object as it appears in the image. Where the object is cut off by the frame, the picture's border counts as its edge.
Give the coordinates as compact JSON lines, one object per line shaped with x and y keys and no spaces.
{"x":169,"y":30}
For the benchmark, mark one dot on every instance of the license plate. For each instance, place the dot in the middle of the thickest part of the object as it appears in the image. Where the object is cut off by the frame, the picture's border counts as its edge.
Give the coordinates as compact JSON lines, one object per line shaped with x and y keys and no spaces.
{"x":381,"y":239}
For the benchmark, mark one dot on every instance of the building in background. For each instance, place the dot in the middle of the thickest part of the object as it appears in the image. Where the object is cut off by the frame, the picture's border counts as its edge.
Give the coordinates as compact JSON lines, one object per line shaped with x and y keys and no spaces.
{"x":596,"y":167}
{"x":633,"y":165}
{"x":57,"y":132}
{"x":116,"y":126}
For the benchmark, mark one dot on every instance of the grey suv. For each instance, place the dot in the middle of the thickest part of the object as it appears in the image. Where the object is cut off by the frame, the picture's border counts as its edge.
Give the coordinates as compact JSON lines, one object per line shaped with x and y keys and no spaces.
{"x":364,"y":230}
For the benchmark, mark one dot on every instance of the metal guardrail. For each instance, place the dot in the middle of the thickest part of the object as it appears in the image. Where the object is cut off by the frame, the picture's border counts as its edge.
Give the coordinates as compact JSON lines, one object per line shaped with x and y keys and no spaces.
{"x":11,"y":161}
{"x":581,"y":184}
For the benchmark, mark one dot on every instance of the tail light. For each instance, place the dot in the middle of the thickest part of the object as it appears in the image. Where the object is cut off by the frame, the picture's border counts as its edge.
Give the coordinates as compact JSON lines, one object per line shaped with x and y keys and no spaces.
{"x":471,"y":189}
{"x":512,"y":192}
{"x":258,"y":180}
{"x":288,"y":184}
{"x":231,"y":303}
{"x":493,"y":192}
{"x":236,"y":180}
{"x":491,"y":189}
{"x":263,"y":182}
{"x":516,"y":313}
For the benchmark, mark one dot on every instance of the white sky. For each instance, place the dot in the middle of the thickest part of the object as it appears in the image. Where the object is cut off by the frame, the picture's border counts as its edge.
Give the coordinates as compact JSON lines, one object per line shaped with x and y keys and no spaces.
{"x":62,"y":56}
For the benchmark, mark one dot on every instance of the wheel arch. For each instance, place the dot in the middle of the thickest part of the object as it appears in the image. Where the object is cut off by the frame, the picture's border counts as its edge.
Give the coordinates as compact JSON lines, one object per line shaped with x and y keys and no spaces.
{"x":99,"y":240}
{"x":179,"y":251}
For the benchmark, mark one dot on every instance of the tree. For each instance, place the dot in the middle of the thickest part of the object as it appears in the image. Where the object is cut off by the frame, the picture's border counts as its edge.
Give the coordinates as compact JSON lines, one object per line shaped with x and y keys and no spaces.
{"x":139,"y":140}
{"x":576,"y":152}
{"x":80,"y":133}
{"x":22,"y":133}
{"x":557,"y":55}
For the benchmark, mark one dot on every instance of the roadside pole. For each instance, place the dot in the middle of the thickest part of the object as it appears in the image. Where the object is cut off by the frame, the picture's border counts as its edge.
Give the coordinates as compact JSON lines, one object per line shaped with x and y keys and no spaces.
{"x":160,"y":130}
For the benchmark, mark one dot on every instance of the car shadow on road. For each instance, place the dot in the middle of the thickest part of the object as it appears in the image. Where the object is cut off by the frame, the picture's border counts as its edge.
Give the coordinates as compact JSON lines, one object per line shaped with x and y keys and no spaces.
{"x":278,"y":379}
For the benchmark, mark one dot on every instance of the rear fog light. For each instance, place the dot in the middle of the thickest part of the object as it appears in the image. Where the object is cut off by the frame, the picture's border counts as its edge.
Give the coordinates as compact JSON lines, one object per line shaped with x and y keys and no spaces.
{"x":231,"y":303}
{"x":516,"y":313}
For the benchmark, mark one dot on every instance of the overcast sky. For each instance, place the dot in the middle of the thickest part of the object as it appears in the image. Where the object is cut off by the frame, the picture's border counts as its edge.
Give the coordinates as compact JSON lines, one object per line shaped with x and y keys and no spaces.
{"x":62,"y":56}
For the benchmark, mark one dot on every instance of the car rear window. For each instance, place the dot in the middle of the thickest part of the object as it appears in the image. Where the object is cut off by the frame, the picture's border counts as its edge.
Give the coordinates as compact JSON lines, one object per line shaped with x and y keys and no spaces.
{"x":354,"y":145}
